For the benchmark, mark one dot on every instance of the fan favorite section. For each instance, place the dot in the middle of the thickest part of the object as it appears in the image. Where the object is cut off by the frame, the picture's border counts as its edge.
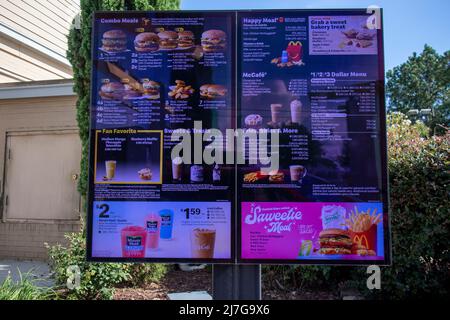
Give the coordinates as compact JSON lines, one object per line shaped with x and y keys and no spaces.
{"x":185,"y":230}
{"x":312,"y":231}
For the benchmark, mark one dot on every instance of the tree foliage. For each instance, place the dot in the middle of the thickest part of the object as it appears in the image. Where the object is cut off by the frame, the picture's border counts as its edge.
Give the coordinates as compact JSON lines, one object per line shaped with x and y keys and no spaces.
{"x":422,"y":82}
{"x":79,"y":55}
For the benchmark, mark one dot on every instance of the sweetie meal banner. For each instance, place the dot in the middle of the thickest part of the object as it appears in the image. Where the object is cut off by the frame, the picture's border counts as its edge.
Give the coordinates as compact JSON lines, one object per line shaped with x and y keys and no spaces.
{"x":238,"y":136}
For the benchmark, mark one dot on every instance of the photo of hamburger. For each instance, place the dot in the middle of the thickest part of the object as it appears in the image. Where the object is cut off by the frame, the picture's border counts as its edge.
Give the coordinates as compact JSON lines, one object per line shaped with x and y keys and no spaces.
{"x":361,"y":250}
{"x":214,"y":40}
{"x":114,"y":41}
{"x":146,"y":42}
{"x":212,"y":91}
{"x":112,"y":91}
{"x":151,"y":89}
{"x":185,"y":39}
{"x":168,"y":40}
{"x":335,"y":241}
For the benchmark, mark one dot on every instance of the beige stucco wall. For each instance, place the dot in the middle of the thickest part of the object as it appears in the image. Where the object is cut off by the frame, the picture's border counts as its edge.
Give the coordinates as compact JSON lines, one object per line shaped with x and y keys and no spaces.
{"x":25,"y":239}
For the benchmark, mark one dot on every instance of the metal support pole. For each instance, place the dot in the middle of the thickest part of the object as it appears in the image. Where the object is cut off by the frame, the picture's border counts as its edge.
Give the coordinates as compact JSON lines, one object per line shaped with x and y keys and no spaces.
{"x":236,"y":282}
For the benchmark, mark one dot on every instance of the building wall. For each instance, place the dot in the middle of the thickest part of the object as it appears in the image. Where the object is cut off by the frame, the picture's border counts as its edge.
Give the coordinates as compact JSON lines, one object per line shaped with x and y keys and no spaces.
{"x":25,"y":238}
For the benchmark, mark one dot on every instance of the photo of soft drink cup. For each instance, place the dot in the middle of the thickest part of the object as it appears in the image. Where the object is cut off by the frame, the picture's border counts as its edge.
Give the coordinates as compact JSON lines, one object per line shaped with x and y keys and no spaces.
{"x":110,"y":166}
{"x":133,"y":241}
{"x":166,"y":224}
{"x":202,"y":243}
{"x":297,"y":172}
{"x":153,"y":228}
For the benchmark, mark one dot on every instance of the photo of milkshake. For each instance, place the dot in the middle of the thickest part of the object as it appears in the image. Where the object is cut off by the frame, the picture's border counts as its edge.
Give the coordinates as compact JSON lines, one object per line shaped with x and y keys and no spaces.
{"x":275,"y":112}
{"x":177,"y":168}
{"x":297,"y":172}
{"x":196,"y":173}
{"x":166,"y":224}
{"x":133,"y":240}
{"x":110,"y":166}
{"x":202,"y":243}
{"x":296,"y":109}
{"x":153,"y":228}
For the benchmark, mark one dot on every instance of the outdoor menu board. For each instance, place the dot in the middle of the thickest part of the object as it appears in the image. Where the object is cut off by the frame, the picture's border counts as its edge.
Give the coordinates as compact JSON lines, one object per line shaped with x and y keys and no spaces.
{"x":281,"y":118}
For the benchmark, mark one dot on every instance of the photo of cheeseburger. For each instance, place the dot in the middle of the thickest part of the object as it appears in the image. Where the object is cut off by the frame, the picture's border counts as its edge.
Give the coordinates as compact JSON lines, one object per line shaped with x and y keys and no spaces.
{"x":168,"y":40}
{"x":114,"y":41}
{"x":212,"y":91}
{"x":151,"y":89}
{"x":112,"y":91}
{"x":146,"y":42}
{"x":185,"y":39}
{"x":214,"y":40}
{"x":335,"y":241}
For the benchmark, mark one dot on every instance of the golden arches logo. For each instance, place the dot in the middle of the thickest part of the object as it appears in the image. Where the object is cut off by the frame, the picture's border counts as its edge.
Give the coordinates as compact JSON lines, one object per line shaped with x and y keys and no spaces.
{"x":295,"y":43}
{"x":361,"y":240}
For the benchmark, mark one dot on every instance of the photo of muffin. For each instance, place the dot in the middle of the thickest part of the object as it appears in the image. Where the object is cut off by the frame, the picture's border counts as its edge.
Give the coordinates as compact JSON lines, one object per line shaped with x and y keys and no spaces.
{"x":253,"y":120}
{"x":146,"y":42}
{"x":168,"y":40}
{"x":214,"y":40}
{"x":114,"y":41}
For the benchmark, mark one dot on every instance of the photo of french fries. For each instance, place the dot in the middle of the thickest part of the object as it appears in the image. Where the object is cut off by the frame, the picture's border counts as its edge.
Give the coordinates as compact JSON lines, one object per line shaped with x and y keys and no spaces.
{"x":360,"y":221}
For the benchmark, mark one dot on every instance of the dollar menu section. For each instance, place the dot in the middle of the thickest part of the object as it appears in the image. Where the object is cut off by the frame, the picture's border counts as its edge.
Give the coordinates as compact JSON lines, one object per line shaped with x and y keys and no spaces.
{"x":154,"y":73}
{"x":316,"y":79}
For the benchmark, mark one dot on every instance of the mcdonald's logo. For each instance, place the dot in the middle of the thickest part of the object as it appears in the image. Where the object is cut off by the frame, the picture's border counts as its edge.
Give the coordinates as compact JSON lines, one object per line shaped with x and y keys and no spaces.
{"x":295,"y":43}
{"x":361,"y":240}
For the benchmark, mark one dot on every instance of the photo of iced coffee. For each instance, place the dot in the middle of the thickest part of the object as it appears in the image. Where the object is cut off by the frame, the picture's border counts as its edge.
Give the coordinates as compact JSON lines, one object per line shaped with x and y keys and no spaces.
{"x":275,"y":112}
{"x":110,"y":166}
{"x":297,"y":172}
{"x":202,"y":243}
{"x":177,"y":168}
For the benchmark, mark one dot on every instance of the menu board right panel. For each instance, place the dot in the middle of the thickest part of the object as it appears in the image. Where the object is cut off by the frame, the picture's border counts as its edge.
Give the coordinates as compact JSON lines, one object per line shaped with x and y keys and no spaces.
{"x":311,"y":108}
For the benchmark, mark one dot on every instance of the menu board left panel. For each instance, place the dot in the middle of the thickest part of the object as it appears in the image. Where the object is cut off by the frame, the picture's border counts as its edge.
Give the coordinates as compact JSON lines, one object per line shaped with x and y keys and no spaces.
{"x":159,"y":81}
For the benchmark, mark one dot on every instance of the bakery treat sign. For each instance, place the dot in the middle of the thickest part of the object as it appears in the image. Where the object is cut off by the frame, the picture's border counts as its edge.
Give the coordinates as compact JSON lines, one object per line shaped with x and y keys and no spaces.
{"x":237,"y":137}
{"x":342,"y":35}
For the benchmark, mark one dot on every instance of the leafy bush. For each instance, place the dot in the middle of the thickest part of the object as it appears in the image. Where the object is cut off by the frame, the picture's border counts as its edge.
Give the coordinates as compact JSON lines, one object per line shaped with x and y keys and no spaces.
{"x":419,"y":179}
{"x":97,"y":280}
{"x":23,"y":289}
{"x":144,"y":273}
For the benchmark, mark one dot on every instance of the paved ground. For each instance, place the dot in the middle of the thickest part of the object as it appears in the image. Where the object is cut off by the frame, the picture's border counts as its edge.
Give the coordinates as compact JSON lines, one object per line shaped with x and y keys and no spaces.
{"x":36,"y":270}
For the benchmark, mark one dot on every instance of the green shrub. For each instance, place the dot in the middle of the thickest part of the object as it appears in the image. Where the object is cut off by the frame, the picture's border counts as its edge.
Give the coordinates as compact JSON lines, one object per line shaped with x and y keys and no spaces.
{"x":144,"y":273}
{"x":24,"y":289}
{"x":419,"y":176}
{"x":97,"y":280}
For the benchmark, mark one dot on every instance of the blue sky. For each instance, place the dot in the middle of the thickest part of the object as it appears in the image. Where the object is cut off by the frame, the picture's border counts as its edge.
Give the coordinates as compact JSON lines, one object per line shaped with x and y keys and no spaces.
{"x":408,"y":24}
